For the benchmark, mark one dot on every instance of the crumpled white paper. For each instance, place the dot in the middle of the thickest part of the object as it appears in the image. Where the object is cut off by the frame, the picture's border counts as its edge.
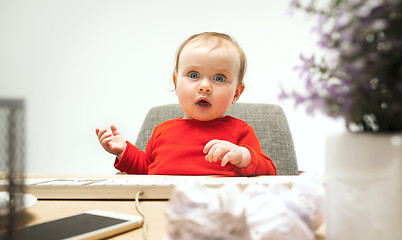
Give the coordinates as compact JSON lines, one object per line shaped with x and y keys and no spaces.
{"x":259,"y":212}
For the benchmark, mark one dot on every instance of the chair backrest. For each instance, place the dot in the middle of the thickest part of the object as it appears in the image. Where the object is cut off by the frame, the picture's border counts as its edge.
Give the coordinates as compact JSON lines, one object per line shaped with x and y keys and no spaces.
{"x":269,"y":123}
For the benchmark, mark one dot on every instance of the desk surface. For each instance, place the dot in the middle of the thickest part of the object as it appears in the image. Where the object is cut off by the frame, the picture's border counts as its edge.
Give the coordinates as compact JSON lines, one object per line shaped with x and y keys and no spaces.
{"x":47,"y":210}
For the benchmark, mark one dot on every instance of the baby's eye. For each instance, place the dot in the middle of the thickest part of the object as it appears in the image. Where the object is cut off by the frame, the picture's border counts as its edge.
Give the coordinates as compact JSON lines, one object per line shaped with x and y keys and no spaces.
{"x":193,"y":75}
{"x":219,"y":78}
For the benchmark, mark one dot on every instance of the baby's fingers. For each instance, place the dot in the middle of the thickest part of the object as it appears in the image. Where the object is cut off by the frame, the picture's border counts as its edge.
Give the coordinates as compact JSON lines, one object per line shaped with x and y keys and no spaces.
{"x":100,"y":133}
{"x":218,"y":152}
{"x":226,"y":159}
{"x":209,"y":145}
{"x":106,"y":141}
{"x":104,"y":137}
{"x":115,"y":132}
{"x":97,"y":131}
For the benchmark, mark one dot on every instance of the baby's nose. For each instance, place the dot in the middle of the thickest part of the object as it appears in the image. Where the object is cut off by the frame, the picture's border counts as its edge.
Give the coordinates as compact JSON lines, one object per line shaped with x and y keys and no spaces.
{"x":204,"y":86}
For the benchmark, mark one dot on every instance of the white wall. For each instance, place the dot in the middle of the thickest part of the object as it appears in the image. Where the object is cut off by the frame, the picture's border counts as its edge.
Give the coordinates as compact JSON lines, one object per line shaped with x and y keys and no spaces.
{"x":82,"y":64}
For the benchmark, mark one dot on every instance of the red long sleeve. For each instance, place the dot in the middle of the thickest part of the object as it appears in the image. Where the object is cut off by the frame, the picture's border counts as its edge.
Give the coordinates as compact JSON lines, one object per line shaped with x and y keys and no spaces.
{"x":176,"y":148}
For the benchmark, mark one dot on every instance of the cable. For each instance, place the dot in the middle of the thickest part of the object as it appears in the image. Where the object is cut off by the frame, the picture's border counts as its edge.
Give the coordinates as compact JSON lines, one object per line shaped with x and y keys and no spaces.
{"x":139,"y":210}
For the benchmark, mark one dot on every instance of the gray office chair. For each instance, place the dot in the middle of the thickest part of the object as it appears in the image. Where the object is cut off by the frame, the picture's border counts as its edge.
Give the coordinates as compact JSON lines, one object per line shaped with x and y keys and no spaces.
{"x":269,"y":123}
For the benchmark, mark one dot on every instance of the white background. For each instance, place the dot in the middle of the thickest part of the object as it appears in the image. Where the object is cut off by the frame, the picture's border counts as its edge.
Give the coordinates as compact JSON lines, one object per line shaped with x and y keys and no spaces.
{"x":82,"y":64}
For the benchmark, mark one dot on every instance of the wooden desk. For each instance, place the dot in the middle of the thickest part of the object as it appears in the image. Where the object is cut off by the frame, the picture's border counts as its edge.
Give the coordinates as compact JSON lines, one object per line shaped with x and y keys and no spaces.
{"x":47,"y":210}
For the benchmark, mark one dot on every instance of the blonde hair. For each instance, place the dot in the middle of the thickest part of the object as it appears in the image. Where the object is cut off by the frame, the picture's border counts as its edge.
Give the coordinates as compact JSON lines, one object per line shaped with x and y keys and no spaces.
{"x":218,"y":39}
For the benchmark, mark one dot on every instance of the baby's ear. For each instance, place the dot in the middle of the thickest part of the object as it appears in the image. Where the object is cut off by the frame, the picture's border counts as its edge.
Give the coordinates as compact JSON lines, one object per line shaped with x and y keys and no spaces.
{"x":239,"y":91}
{"x":174,"y":77}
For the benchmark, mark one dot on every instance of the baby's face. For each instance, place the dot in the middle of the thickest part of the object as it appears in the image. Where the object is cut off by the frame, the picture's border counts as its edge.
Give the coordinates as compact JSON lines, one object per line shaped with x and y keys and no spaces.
{"x":207,"y":80}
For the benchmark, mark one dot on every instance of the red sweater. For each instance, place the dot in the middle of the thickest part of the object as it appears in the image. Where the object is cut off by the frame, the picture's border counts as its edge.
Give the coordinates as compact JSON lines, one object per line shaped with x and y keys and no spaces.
{"x":176,"y":148}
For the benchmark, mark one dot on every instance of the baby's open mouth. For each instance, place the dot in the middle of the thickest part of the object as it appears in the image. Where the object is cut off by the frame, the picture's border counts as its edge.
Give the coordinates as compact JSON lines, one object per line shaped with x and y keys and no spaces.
{"x":203,"y":103}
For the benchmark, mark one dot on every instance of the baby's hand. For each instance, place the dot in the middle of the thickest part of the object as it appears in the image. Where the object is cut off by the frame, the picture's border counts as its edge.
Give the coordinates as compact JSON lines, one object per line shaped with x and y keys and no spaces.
{"x":227,"y":152}
{"x":113,"y":144}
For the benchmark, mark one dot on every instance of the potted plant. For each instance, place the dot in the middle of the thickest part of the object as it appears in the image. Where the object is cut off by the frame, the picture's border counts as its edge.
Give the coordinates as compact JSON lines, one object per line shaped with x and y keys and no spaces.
{"x":359,"y":79}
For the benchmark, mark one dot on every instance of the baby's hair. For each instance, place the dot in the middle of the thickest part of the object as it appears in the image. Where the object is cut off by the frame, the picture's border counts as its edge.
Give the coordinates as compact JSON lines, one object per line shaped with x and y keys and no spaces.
{"x":218,"y":39}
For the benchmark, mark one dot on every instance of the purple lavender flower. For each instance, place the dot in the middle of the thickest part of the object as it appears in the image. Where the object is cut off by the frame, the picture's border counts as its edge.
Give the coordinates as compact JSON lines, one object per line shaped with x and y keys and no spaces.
{"x":363,"y":83}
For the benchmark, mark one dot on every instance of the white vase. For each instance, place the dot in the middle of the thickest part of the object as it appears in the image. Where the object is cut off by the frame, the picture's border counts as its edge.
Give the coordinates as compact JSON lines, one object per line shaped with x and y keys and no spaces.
{"x":363,"y":177}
